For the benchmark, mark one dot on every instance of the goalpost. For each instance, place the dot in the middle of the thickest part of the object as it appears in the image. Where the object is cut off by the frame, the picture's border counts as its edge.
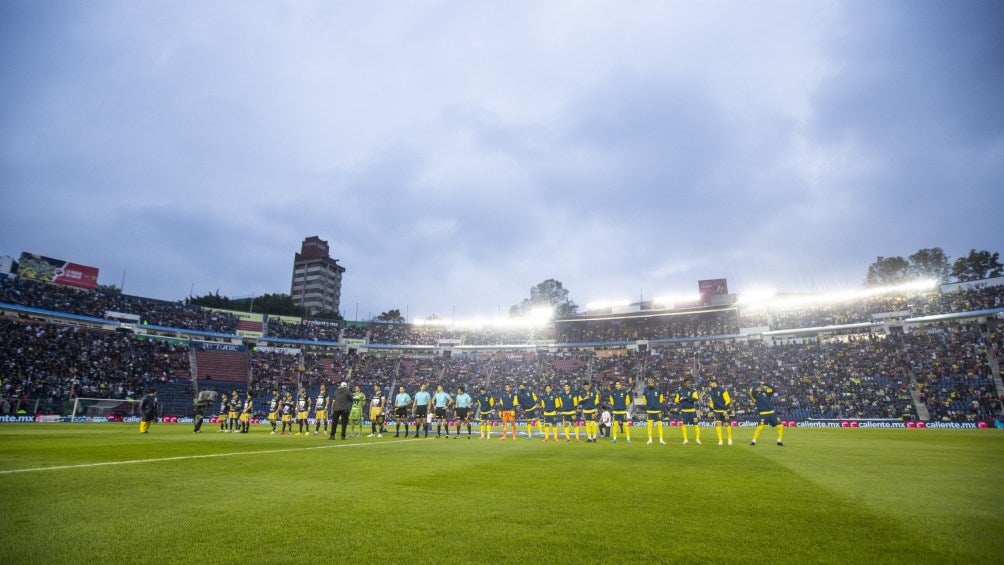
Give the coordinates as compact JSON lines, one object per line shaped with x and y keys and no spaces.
{"x":98,"y":407}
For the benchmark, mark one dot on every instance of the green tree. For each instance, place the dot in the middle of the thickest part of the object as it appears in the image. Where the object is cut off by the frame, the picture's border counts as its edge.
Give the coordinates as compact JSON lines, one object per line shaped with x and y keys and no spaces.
{"x":930,"y":264}
{"x":277,"y":303}
{"x":549,"y":293}
{"x":977,"y":265}
{"x":393,"y":316}
{"x":325,"y":315}
{"x":212,"y":300}
{"x":887,"y":271}
{"x":109,"y":288}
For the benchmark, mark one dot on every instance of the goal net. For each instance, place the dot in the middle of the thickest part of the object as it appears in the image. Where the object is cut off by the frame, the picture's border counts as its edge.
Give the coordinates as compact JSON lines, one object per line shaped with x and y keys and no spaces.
{"x":105,"y":407}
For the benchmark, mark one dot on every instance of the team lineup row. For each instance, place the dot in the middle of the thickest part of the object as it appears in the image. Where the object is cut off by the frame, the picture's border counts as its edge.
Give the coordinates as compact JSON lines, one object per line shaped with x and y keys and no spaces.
{"x":596,"y":411}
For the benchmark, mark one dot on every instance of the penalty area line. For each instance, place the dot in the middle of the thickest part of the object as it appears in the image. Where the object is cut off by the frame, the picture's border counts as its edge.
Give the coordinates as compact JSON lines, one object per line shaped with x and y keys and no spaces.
{"x":185,"y":457}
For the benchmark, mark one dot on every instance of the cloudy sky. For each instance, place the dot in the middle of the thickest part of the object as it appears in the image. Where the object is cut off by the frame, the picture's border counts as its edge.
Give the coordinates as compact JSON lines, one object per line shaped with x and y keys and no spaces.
{"x":455,"y":154}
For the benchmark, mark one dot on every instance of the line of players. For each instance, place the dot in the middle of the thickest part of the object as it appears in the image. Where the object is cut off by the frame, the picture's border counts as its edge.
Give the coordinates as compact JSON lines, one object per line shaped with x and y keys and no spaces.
{"x":236,"y":417}
{"x":553,"y":409}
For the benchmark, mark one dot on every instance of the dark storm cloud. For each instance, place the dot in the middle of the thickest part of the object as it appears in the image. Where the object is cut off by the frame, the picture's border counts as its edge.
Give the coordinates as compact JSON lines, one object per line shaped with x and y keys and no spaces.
{"x":454,"y":155}
{"x":912,"y":92}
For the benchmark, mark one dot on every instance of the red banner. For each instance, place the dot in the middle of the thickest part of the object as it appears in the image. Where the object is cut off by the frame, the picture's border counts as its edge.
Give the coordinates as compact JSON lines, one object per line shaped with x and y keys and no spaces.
{"x":32,"y":266}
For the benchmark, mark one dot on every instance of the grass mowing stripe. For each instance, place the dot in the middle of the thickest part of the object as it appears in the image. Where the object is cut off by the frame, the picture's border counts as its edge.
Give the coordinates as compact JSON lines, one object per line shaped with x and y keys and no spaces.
{"x":944,"y":485}
{"x":183,"y":457}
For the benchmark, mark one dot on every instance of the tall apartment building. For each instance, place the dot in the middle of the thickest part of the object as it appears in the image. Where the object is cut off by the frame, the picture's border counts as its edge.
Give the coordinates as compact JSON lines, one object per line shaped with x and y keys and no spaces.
{"x":317,"y":278}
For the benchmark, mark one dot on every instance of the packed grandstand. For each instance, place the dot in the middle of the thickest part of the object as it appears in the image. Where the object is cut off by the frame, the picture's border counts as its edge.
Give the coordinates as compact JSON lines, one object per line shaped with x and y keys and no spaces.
{"x":928,"y":355}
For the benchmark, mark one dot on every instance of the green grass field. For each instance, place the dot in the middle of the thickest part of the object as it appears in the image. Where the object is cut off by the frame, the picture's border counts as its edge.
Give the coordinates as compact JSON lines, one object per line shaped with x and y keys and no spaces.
{"x":104,"y":493}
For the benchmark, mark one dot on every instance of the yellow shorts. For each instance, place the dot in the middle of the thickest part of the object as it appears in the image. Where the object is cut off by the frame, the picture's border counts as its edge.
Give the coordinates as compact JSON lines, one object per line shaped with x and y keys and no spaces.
{"x":232,"y":415}
{"x":375,"y":411}
{"x":286,"y":418}
{"x":321,"y":415}
{"x":302,"y":415}
{"x":272,"y":416}
{"x":245,"y":417}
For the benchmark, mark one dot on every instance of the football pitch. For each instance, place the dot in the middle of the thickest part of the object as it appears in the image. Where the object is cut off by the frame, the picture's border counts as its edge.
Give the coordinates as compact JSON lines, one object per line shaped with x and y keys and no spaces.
{"x":105,"y":493}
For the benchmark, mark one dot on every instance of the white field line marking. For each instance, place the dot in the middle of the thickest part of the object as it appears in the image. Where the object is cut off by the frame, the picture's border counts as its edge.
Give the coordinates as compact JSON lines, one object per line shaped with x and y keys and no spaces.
{"x":184,"y":457}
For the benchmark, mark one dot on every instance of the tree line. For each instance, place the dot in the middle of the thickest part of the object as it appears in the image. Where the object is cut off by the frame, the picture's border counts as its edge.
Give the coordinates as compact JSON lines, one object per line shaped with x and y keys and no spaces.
{"x":933,"y":263}
{"x":930,"y":263}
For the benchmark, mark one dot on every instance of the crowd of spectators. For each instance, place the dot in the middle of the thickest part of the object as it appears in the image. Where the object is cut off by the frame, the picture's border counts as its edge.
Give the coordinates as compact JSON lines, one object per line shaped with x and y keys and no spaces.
{"x":60,"y":298}
{"x":311,"y":330}
{"x":948,"y":366}
{"x":953,"y":372}
{"x":694,"y":324}
{"x":857,"y":377}
{"x":45,"y":366}
{"x":399,"y":334}
{"x":865,"y":309}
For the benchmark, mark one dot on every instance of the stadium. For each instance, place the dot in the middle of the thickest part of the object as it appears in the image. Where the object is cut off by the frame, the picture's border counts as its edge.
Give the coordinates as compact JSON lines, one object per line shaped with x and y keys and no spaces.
{"x":885,"y":399}
{"x":688,"y":155}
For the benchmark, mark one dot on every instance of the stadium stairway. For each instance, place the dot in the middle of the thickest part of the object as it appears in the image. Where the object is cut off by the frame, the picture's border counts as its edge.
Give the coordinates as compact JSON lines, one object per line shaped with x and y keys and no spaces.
{"x":922,"y":411}
{"x":994,"y":362}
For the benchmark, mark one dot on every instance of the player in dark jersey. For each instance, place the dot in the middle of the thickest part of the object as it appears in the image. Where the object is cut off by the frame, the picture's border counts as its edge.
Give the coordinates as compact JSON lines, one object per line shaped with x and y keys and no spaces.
{"x":549,"y":409}
{"x":620,"y":402}
{"x":530,"y":405}
{"x":233,"y":411}
{"x":485,"y":403}
{"x":303,"y":412}
{"x":321,"y":405}
{"x":566,"y":405}
{"x":224,"y":412}
{"x":687,"y":398}
{"x":720,"y":401}
{"x":273,"y":409}
{"x":654,"y":401}
{"x":286,"y":413}
{"x":244,"y":424}
{"x":589,"y":403}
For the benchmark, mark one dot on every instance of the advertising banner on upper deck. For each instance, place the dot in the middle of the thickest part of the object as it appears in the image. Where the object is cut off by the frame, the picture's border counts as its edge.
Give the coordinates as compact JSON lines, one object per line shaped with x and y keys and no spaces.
{"x":37,"y":267}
